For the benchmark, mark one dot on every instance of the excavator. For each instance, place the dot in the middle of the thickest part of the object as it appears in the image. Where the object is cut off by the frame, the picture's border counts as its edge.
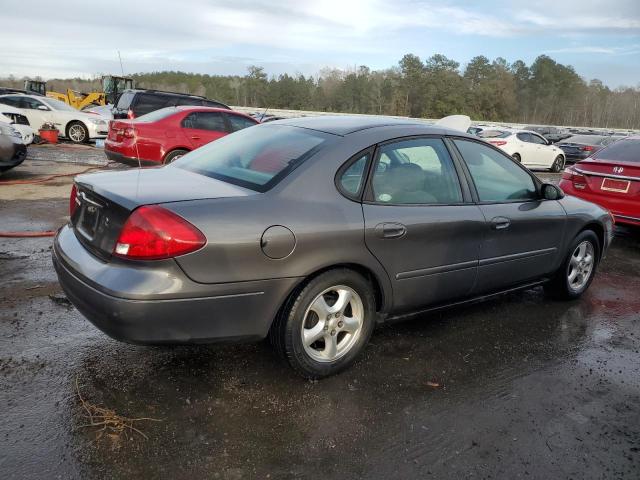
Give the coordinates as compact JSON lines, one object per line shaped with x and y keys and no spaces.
{"x":112,"y":87}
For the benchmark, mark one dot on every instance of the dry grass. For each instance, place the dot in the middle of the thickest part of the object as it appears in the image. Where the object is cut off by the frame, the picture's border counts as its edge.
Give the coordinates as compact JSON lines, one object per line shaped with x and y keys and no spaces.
{"x":107,"y":422}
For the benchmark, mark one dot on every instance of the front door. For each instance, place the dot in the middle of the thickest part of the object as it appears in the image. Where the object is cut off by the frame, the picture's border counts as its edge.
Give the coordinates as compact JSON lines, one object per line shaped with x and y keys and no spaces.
{"x":420,"y":225}
{"x":36,"y":112}
{"x":523,"y":233}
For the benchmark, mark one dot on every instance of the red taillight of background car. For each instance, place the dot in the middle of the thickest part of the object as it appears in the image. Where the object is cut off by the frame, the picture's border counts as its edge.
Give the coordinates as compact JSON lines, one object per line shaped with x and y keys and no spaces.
{"x":497,"y":143}
{"x":72,"y":200}
{"x":571,"y":174}
{"x":587,"y":148}
{"x":153,"y":233}
{"x":129,"y":132}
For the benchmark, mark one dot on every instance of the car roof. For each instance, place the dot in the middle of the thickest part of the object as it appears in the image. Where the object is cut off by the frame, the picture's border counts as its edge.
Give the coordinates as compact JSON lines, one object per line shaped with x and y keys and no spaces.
{"x":346,"y":124}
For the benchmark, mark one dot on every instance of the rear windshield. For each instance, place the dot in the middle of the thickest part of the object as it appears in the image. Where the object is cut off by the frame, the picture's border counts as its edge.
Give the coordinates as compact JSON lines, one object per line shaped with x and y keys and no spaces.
{"x":157,"y":115}
{"x":621,"y":151}
{"x":493,"y":134}
{"x":256,"y":158}
{"x":584,"y":139}
{"x":125,"y":100}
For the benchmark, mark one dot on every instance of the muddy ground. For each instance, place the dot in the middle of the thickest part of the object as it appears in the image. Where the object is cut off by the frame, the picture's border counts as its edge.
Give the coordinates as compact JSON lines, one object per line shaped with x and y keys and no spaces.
{"x":518,"y":387}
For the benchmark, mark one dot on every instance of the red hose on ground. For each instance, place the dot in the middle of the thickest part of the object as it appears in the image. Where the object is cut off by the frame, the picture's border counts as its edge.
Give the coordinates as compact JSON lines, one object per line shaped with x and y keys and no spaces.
{"x":46,"y":233}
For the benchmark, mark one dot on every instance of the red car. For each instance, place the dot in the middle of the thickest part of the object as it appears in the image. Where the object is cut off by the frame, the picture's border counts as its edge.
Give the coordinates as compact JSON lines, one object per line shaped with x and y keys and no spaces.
{"x":166,"y":134}
{"x":610,"y":178}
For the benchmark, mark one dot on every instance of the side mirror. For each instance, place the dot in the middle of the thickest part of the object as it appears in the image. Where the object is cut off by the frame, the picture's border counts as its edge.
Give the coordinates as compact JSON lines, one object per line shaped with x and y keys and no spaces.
{"x":42,"y":107}
{"x":551,"y":192}
{"x":549,"y":142}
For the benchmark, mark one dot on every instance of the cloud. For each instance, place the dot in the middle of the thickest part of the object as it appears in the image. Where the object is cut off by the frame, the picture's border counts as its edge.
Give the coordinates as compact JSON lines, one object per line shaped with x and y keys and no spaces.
{"x":627,"y":50}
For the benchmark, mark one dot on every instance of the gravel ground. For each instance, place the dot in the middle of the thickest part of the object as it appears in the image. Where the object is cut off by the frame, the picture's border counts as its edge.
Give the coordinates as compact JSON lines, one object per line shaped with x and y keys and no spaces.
{"x":518,"y":387}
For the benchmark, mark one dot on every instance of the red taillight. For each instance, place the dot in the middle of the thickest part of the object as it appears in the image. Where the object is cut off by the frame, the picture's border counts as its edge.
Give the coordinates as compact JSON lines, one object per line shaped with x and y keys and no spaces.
{"x":72,"y":200}
{"x":153,"y":233}
{"x":129,"y":132}
{"x":497,"y":143}
{"x":130,"y":115}
{"x":587,"y":148}
{"x":579,"y":181}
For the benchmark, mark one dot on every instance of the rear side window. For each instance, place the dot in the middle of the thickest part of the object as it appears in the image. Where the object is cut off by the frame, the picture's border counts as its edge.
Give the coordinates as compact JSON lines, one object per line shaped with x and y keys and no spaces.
{"x":352,"y":178}
{"x":497,"y":177}
{"x":210,"y":103}
{"x":212,"y":121}
{"x":238,"y":123}
{"x":524,"y":137}
{"x":417,"y":171}
{"x":493,"y":134}
{"x":621,"y":151}
{"x":190,"y":101}
{"x":255,"y":158}
{"x":149,"y":102}
{"x":13,"y":101}
{"x":125,"y":100}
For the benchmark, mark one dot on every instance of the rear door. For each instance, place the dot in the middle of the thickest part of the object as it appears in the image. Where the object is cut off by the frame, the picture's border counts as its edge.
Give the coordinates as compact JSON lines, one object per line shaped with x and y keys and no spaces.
{"x":201,"y":128}
{"x":544,"y":156}
{"x":421,"y":224}
{"x":523,"y":233}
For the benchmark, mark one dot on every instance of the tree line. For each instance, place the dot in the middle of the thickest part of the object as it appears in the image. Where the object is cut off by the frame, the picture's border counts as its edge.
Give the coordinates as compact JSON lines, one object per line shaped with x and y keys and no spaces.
{"x":545,"y":92}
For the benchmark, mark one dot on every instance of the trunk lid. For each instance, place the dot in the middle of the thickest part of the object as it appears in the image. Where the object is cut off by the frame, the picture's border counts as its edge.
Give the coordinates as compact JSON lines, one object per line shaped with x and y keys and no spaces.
{"x":105,"y":200}
{"x":611,"y":178}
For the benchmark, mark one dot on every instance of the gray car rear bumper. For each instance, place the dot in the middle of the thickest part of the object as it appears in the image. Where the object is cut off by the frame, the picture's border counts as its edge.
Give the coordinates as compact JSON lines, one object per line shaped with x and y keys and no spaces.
{"x":240,"y":311}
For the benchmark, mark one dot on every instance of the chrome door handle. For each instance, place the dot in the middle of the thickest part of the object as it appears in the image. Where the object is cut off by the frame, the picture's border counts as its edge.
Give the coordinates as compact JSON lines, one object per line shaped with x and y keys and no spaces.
{"x":390,"y":230}
{"x":500,"y":223}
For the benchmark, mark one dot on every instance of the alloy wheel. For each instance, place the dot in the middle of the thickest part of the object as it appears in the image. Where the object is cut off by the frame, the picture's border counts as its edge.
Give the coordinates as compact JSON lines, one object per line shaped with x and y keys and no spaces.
{"x":581,"y":265}
{"x":76,"y":133}
{"x":332,"y":323}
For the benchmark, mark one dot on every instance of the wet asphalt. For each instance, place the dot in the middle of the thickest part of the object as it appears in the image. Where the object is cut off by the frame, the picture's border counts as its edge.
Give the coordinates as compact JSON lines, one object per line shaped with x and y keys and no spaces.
{"x":517,"y":387}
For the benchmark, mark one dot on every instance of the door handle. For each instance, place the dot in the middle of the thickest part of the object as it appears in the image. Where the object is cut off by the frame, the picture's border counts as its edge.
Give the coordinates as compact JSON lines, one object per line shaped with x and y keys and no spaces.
{"x":500,"y":223}
{"x":390,"y":230}
{"x":195,"y":137}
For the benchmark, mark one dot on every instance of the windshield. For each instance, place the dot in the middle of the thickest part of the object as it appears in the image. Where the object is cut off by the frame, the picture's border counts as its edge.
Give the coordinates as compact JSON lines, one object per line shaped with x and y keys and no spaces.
{"x":58,"y":105}
{"x":156,"y":115}
{"x":494,"y":134}
{"x":255,"y":158}
{"x":622,"y":151}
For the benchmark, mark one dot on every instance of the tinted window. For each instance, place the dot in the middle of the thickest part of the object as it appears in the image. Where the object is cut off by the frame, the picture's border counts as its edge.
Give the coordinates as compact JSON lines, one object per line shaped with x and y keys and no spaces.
{"x":193,"y":101}
{"x":238,"y":122}
{"x":255,"y":158}
{"x":125,"y":100}
{"x":13,"y":101}
{"x":621,"y":151}
{"x":538,"y":140}
{"x":148,"y":102}
{"x":497,"y":177}
{"x":156,"y":115}
{"x":59,"y":105}
{"x":416,"y":171}
{"x":352,"y":178}
{"x":494,"y":134}
{"x":30,"y":103}
{"x":209,"y":103}
{"x":205,"y":121}
{"x":583,"y":139}
{"x":524,"y":137}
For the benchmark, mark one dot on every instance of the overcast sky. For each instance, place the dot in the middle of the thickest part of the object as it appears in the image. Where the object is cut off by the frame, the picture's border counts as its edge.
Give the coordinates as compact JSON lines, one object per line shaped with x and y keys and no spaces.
{"x":601,"y":39}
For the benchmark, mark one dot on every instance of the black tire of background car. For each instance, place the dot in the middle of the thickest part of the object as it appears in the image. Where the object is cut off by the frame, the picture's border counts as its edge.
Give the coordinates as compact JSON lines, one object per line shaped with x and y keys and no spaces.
{"x":558,"y":287}
{"x":174,"y":155}
{"x":516,"y":157}
{"x":558,"y":164}
{"x":84,"y":128}
{"x":285,"y":333}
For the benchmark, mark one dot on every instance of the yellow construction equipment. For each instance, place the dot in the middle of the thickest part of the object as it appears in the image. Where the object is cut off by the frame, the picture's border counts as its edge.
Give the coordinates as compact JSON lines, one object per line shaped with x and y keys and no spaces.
{"x":112,"y":87}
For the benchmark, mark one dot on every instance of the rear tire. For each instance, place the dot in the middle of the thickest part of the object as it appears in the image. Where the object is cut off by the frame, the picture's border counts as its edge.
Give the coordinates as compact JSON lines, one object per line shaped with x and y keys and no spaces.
{"x":323,"y":327}
{"x":516,"y":157}
{"x":174,"y":155}
{"x":578,"y":268}
{"x":77,"y":132}
{"x":558,"y":164}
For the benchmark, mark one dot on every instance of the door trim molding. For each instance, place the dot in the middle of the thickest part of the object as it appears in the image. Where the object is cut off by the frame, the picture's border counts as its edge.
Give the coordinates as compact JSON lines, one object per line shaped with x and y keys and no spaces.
{"x":516,"y":256}
{"x":423,"y":272}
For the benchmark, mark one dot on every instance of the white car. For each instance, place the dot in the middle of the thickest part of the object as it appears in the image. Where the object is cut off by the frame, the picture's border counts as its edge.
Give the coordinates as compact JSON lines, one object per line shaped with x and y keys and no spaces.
{"x":20,"y":123}
{"x":527,"y":147}
{"x":73,"y":124}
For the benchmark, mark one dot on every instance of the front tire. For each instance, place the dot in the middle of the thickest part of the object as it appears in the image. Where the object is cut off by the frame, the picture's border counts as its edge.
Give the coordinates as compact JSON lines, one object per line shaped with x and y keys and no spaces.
{"x":577,"y":270}
{"x":558,"y":164}
{"x":77,"y":132}
{"x":326,"y":325}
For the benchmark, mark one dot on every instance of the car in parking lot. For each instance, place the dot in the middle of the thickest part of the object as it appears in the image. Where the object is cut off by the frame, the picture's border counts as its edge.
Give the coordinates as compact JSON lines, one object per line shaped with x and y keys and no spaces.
{"x":610,"y":178}
{"x":529,"y":148}
{"x":12,"y":116}
{"x":77,"y":126}
{"x":553,"y":134}
{"x":164,"y":135}
{"x":134,"y":103}
{"x":579,"y":147}
{"x":13,"y":151}
{"x":312,"y":230}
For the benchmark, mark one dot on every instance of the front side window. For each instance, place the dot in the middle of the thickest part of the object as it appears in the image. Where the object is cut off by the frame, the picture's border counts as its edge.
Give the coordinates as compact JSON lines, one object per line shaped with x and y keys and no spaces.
{"x":497,"y":177}
{"x":31,"y":104}
{"x":416,"y":171}
{"x":537,"y":139}
{"x":59,"y":105}
{"x":12,"y":101}
{"x":254,"y":158}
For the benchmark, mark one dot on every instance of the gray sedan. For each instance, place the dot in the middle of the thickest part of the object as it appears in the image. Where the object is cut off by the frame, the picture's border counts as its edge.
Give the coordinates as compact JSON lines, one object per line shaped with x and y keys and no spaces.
{"x":311,"y":231}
